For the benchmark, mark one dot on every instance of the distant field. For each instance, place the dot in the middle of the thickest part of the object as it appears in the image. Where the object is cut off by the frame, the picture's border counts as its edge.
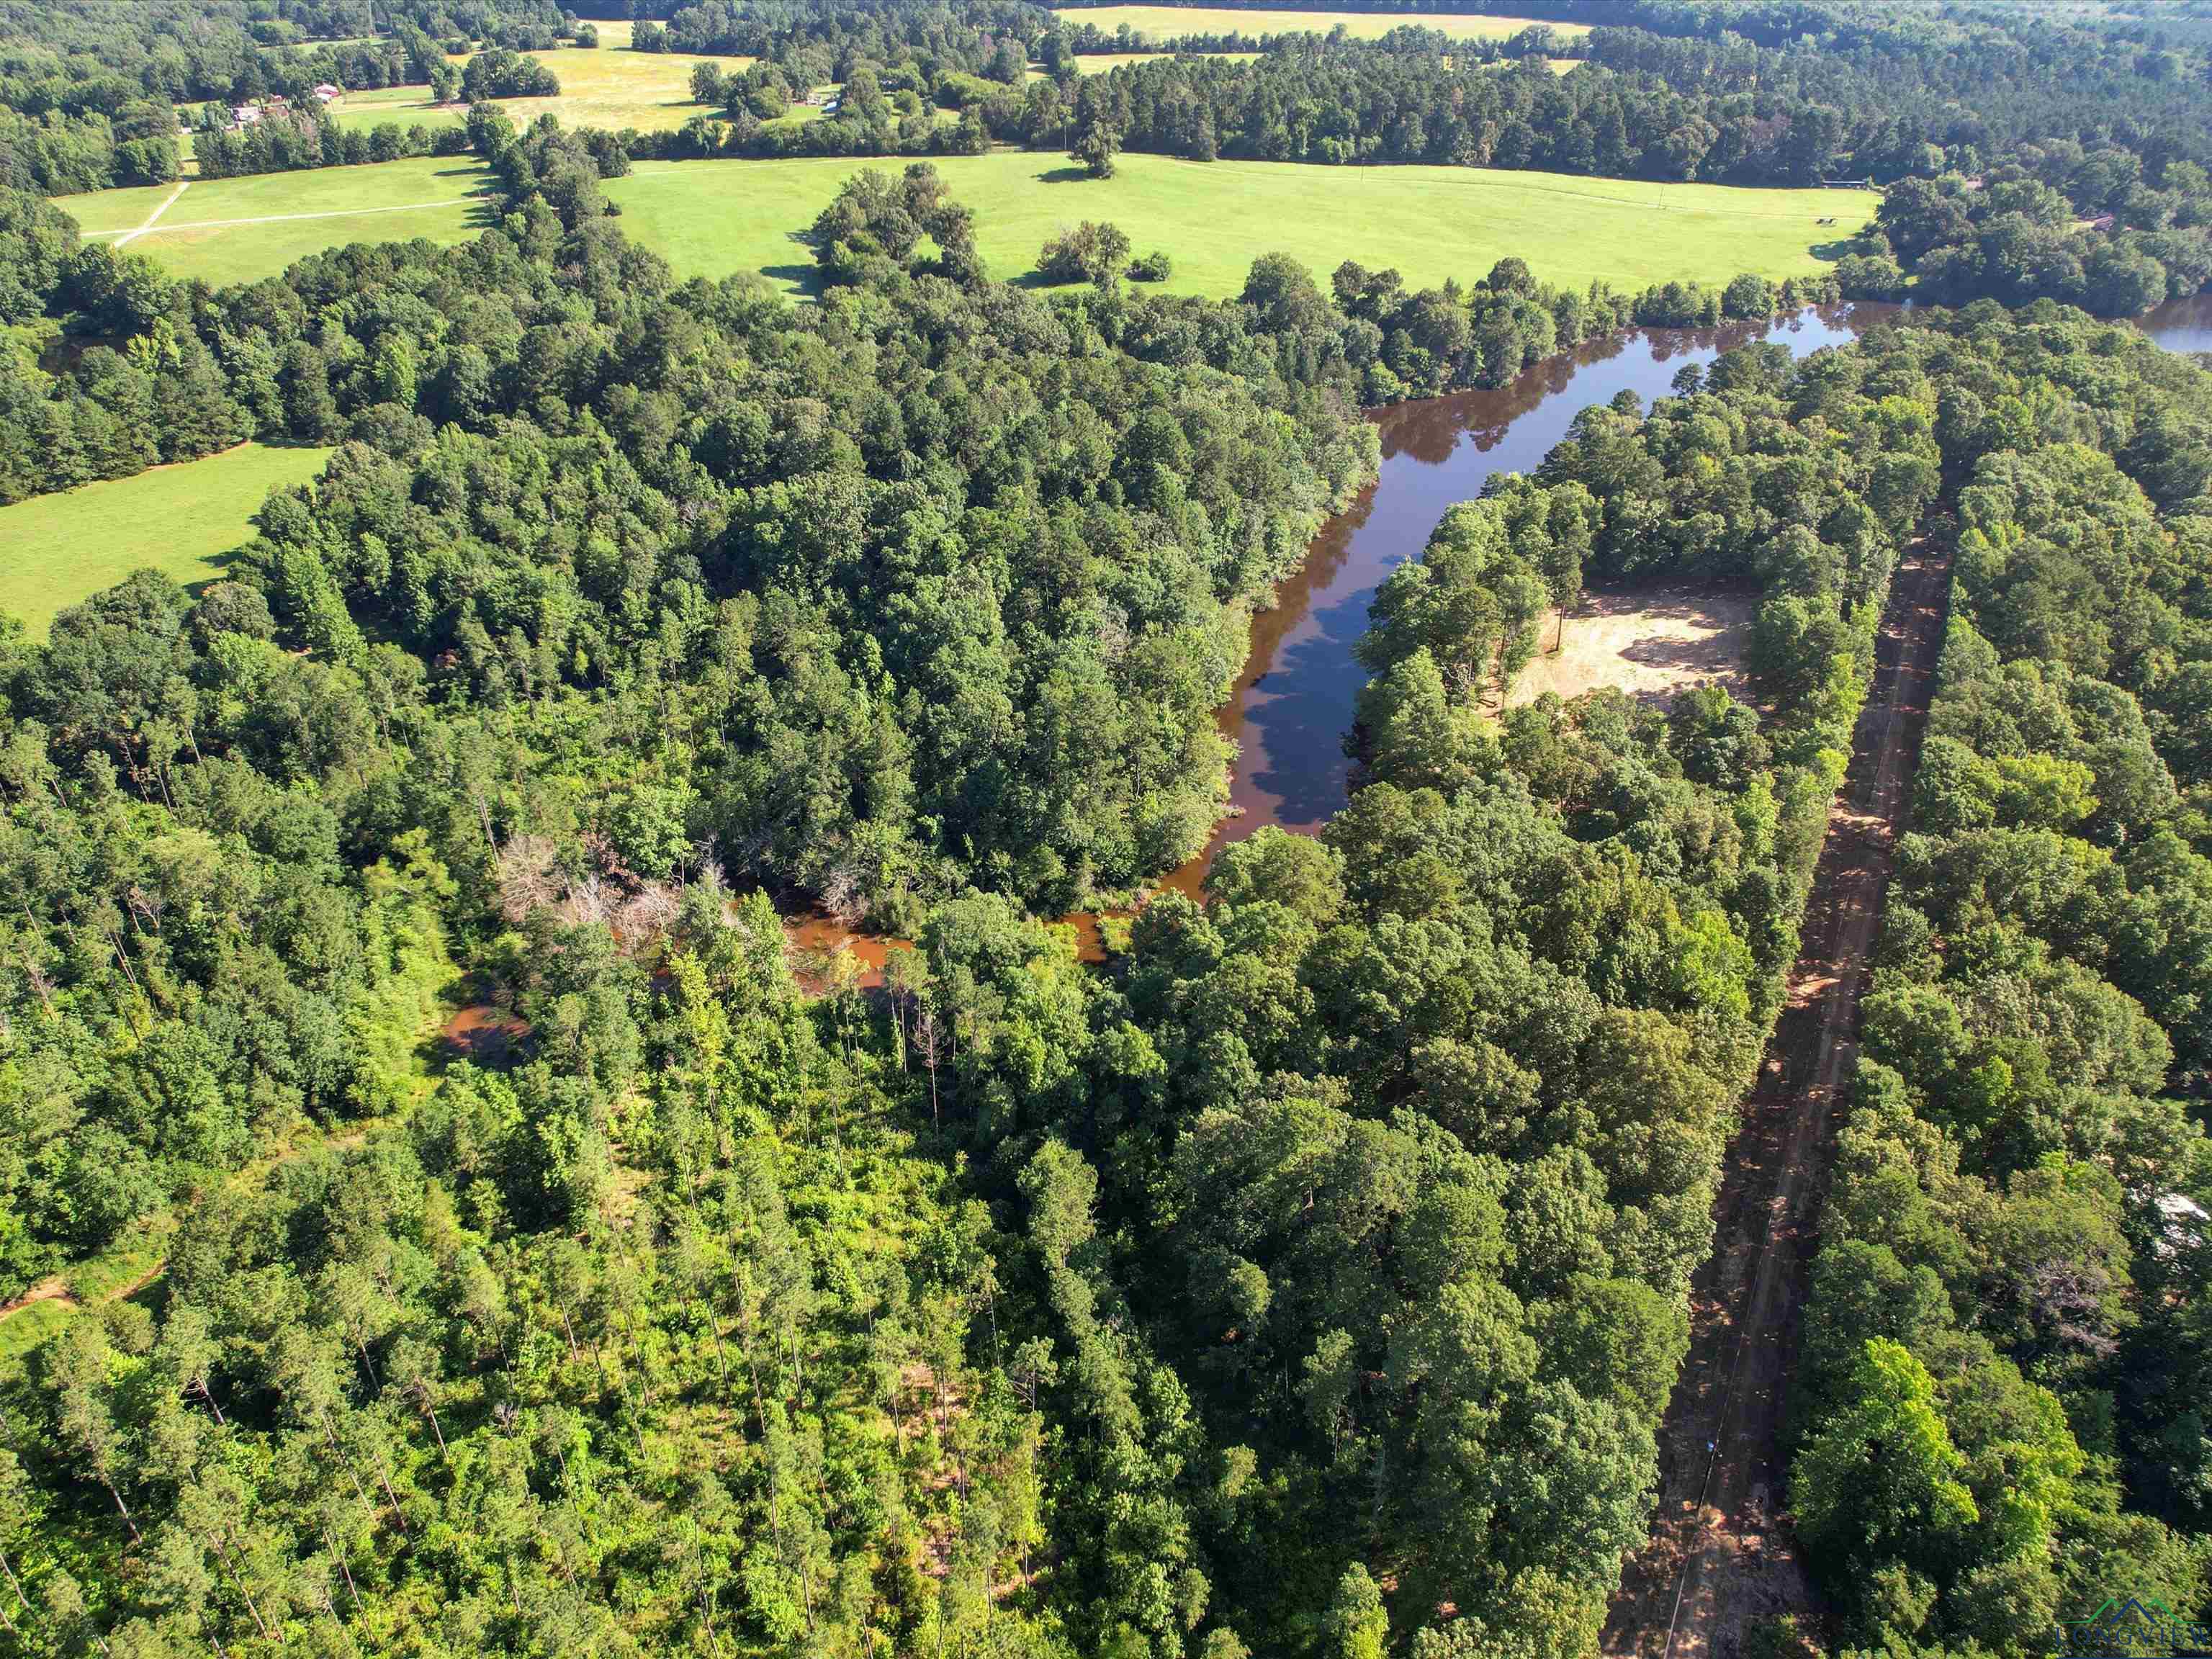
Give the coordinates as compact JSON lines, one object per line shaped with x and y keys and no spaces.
{"x":179,"y":519}
{"x":1099,"y":63}
{"x":709,"y":218}
{"x":1166,"y":23}
{"x":608,"y":86}
{"x":229,"y":230}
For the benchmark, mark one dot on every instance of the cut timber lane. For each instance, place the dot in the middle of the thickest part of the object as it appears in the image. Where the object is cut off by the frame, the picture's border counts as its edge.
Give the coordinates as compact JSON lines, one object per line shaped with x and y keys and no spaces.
{"x":1720,"y":1556}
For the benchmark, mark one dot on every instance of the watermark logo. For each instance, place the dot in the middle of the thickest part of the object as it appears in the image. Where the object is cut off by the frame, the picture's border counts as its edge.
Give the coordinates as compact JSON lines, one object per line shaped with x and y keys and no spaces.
{"x":2131,"y":1627}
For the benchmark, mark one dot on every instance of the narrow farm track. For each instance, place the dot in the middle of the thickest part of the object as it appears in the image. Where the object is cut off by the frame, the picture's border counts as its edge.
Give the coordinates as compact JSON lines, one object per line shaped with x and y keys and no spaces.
{"x":167,"y":202}
{"x":150,"y":229}
{"x":1720,"y":1554}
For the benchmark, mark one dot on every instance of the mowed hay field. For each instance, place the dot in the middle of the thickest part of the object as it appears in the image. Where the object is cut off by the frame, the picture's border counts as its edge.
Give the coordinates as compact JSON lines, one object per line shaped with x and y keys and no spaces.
{"x":231,"y":230}
{"x":1098,"y":62}
{"x":1168,"y":22}
{"x":709,"y":218}
{"x":180,"y":521}
{"x":714,"y":218}
{"x":603,"y":86}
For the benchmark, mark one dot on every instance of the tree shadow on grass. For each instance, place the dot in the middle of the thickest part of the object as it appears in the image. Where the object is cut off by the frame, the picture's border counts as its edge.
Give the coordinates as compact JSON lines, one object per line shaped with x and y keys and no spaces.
{"x":1063,"y":176}
{"x":807,"y":279}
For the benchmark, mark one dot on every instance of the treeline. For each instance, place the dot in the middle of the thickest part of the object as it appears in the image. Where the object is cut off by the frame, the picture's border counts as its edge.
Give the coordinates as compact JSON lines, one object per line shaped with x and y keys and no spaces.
{"x":1081,"y":39}
{"x":147,"y":388}
{"x":283,"y":140}
{"x":2007,"y":1338}
{"x":1766,"y":95}
{"x":813,"y":44}
{"x":1645,"y":106}
{"x":2016,"y":236}
{"x":169,"y":377}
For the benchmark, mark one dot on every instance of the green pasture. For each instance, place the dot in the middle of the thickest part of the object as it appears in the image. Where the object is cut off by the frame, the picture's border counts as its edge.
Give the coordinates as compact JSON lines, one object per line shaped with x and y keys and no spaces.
{"x":229,"y":230}
{"x":607,"y":86}
{"x":709,"y":218}
{"x":181,"y":520}
{"x":1167,"y":22}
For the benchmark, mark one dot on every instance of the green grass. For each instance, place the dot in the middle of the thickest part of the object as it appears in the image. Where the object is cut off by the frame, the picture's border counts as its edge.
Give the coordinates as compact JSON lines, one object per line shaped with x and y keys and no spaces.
{"x":206,"y":232}
{"x":1167,"y":22}
{"x":100,"y":212}
{"x":1098,"y":62}
{"x":179,"y":519}
{"x":709,"y":218}
{"x":608,"y":86}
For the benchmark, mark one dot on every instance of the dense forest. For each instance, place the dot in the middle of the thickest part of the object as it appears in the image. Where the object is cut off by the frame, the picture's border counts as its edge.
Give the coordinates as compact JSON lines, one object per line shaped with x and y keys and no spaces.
{"x":444,"y":1209}
{"x":2012,"y":1284}
{"x":1319,"y":1263}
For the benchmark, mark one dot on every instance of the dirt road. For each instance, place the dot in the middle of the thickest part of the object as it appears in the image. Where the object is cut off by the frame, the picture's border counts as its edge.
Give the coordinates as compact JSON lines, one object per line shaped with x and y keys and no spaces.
{"x":1719,"y":1554}
{"x":167,"y":202}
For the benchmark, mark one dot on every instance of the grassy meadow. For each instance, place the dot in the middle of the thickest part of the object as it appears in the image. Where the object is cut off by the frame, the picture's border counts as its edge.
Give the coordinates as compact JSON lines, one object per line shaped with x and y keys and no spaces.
{"x":1099,"y":63}
{"x":711,"y":218}
{"x":181,"y":521}
{"x":708,"y":218}
{"x":606,"y":86}
{"x":717,"y":217}
{"x":1167,"y":22}
{"x":233,"y":230}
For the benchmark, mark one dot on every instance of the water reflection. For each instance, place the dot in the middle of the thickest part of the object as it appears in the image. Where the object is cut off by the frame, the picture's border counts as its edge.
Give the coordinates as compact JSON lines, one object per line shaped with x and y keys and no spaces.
{"x":2181,"y":324}
{"x":1294,"y":700}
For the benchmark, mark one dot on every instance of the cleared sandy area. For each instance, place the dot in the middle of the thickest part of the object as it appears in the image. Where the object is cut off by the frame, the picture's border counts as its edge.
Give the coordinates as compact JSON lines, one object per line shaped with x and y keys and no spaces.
{"x":1649,"y":643}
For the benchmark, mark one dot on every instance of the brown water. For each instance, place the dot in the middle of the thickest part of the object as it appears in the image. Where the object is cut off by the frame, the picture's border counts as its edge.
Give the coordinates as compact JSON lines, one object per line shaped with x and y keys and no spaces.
{"x":2181,"y":324}
{"x":484,"y":1033}
{"x":1293,"y":701}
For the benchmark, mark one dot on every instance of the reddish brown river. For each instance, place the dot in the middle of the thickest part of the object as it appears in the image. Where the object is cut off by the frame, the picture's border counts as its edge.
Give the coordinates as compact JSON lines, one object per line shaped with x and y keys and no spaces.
{"x":1292,"y":702}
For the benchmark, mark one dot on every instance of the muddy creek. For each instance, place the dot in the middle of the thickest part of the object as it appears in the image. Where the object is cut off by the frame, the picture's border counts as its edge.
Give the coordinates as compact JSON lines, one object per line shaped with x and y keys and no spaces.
{"x":1293,"y":701}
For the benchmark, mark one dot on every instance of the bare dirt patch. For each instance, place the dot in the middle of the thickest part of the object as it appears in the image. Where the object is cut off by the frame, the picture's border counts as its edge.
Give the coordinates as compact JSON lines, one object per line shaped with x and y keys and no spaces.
{"x":1650,"y":643}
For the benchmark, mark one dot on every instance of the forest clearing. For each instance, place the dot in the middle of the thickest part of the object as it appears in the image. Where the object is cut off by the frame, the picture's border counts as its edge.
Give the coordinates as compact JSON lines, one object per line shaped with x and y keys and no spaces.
{"x":716,"y":218}
{"x":1649,"y":645}
{"x":239,"y":230}
{"x":179,"y":519}
{"x":608,"y":85}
